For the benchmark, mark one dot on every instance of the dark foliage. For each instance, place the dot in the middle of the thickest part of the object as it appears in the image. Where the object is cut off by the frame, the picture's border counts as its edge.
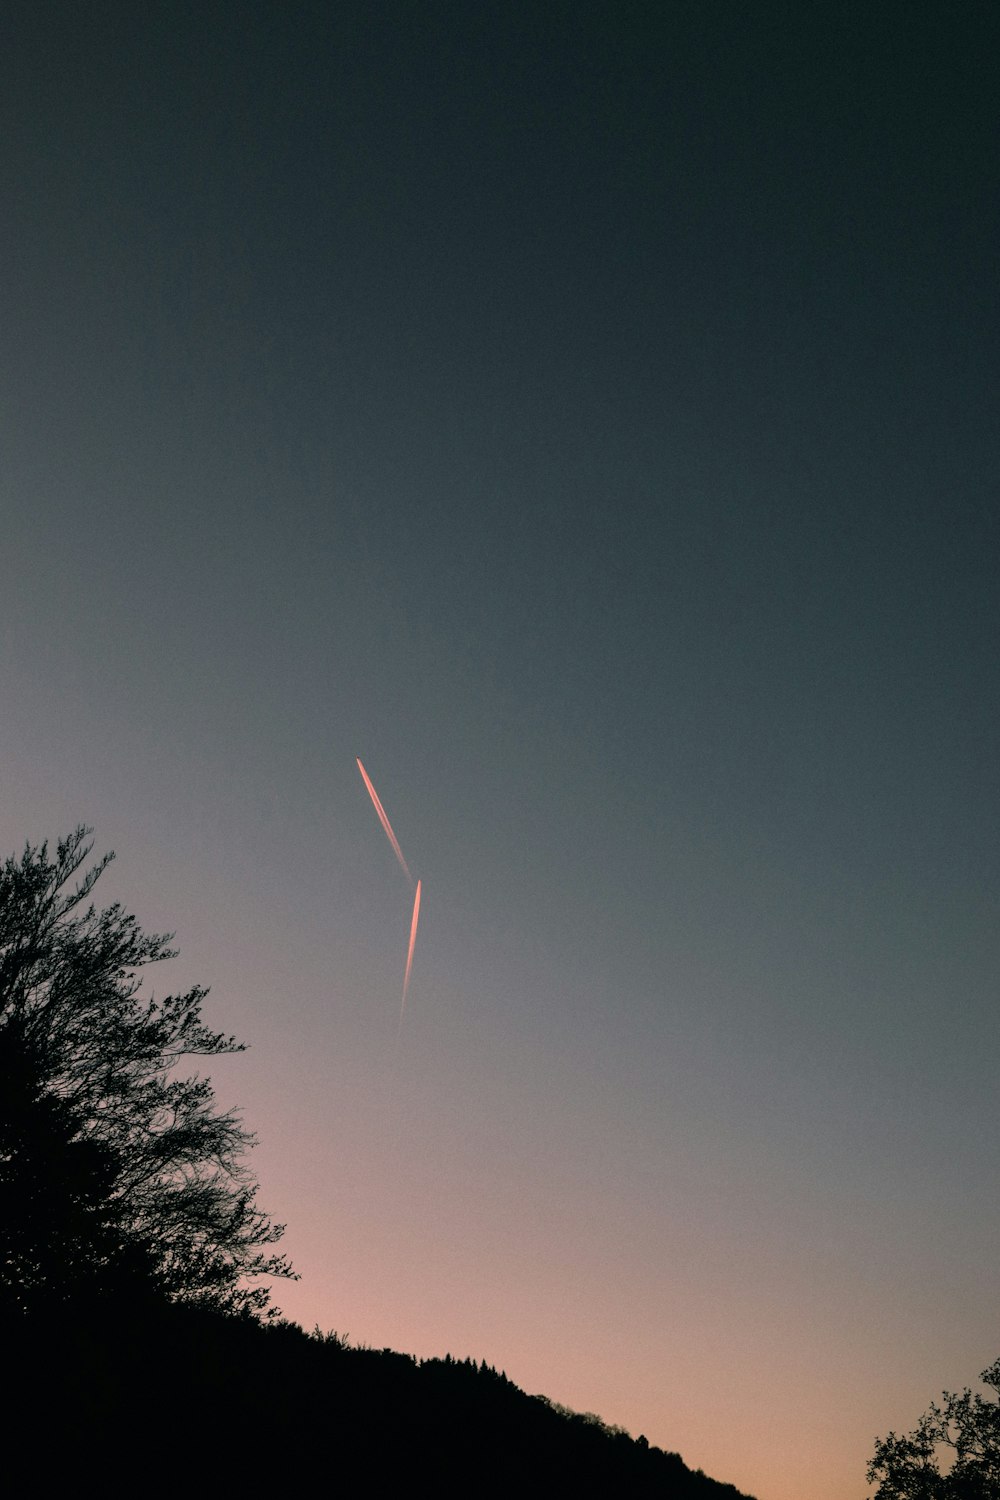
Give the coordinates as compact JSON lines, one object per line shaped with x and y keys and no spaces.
{"x":61,"y":1235}
{"x":260,"y":1405}
{"x":115,"y":1174}
{"x":952,"y":1454}
{"x":128,"y":1227}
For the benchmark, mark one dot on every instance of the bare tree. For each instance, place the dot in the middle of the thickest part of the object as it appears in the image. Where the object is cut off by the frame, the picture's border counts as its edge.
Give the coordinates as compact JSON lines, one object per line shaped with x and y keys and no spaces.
{"x":108,"y":1160}
{"x":952,"y":1454}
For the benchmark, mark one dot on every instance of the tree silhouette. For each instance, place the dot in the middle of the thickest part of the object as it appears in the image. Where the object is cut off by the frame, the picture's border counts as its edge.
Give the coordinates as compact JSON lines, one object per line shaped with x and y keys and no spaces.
{"x":964,"y":1431}
{"x":60,"y":1235}
{"x":112,"y":1170}
{"x":129,"y":1227}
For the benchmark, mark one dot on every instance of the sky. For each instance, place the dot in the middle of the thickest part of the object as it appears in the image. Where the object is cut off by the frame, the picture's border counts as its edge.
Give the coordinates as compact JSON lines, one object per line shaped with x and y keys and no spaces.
{"x":586,"y":416}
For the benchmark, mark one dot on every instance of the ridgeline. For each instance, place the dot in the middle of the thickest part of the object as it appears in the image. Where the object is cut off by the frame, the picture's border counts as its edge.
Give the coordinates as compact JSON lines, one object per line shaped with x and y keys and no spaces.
{"x":200,"y":1401}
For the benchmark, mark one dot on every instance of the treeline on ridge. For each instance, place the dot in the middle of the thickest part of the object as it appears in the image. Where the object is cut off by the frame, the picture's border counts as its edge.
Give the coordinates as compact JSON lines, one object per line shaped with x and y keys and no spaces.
{"x":247,"y":1401}
{"x":139,"y":1343}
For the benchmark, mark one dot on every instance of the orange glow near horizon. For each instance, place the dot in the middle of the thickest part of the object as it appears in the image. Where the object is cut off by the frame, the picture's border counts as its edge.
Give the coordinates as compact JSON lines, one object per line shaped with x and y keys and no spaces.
{"x":373,"y":794}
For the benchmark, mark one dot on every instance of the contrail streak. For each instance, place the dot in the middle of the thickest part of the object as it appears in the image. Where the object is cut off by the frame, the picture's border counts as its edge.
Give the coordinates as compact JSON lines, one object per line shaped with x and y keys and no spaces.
{"x":409,"y":955}
{"x":373,"y":794}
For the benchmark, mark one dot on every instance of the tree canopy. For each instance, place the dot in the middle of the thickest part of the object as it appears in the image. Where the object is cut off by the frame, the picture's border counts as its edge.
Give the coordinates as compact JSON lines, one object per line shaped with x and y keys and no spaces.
{"x":953,"y":1452}
{"x":113,"y":1170}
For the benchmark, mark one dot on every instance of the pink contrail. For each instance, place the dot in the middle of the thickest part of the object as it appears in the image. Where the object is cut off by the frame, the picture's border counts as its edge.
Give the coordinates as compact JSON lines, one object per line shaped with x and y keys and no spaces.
{"x":409,"y":956}
{"x":373,"y":794}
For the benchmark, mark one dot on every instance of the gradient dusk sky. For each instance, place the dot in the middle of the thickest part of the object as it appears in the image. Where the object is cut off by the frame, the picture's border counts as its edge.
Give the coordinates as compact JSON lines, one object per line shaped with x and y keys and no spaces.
{"x":585,"y":414}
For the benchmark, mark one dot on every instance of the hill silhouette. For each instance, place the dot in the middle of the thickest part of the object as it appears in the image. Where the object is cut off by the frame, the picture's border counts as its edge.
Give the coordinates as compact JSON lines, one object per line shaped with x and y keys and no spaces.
{"x":198,"y":1401}
{"x":139,"y":1351}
